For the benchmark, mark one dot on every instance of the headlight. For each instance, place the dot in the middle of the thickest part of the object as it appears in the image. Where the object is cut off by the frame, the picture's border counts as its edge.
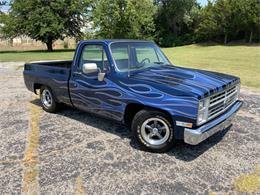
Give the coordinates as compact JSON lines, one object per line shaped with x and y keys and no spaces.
{"x":203,"y":111}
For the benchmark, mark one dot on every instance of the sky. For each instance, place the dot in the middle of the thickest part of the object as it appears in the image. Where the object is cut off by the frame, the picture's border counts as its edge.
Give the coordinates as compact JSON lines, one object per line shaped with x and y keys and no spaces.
{"x":4,"y":8}
{"x":203,"y":2}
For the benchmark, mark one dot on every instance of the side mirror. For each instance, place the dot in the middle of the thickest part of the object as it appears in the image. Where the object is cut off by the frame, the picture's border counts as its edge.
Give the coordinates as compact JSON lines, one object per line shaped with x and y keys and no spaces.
{"x":89,"y":68}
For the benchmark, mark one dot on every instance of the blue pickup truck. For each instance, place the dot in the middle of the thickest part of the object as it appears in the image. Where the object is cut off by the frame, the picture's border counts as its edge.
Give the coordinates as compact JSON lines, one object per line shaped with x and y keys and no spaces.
{"x":134,"y":83}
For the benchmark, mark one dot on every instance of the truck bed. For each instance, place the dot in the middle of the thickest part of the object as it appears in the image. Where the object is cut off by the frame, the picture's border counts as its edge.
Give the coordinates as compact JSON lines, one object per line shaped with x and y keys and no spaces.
{"x":54,"y":63}
{"x":54,"y":74}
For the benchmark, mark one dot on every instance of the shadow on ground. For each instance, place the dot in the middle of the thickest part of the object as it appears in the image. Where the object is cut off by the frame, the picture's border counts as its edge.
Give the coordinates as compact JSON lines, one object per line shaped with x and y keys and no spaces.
{"x":180,"y":151}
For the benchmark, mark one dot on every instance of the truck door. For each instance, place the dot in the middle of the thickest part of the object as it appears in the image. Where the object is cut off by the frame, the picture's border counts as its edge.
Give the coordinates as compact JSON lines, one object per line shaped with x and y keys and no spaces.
{"x":84,"y":87}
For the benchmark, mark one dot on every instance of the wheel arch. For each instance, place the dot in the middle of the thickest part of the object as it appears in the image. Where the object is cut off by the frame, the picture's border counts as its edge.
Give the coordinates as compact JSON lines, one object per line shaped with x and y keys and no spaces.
{"x":38,"y":86}
{"x":132,"y":108}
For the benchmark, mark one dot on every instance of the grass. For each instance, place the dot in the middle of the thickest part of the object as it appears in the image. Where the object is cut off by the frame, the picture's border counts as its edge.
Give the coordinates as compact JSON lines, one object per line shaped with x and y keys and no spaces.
{"x":242,"y":61}
{"x":239,"y":60}
{"x":27,"y":56}
{"x":248,"y":183}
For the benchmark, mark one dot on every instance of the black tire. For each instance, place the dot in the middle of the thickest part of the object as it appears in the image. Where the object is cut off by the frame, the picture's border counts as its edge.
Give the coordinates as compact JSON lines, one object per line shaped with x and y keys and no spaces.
{"x":141,"y":119}
{"x":49,"y":106}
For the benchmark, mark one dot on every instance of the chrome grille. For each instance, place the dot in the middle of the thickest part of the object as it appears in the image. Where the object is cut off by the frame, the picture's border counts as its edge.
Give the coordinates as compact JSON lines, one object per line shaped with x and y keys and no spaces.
{"x":221,"y":101}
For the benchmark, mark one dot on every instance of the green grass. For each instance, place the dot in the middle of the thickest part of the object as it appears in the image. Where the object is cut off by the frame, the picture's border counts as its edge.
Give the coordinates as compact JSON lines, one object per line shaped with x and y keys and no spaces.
{"x":242,"y":61}
{"x":27,"y":56}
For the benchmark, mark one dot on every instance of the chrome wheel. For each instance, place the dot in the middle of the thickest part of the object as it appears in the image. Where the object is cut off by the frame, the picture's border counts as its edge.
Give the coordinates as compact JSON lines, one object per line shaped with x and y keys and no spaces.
{"x":155,"y":131}
{"x":46,"y":98}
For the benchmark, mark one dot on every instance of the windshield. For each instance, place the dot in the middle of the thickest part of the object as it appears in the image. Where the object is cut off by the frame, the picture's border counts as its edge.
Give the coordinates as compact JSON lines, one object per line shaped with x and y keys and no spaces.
{"x":137,"y":55}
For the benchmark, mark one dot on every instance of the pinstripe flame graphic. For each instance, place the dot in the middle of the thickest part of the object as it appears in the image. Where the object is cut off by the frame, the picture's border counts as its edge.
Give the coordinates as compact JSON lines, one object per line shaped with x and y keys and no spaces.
{"x":163,"y":88}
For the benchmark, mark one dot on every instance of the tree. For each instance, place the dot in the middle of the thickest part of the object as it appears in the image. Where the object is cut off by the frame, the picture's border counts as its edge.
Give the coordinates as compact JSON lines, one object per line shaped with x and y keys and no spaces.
{"x":219,"y":20}
{"x":208,"y":28}
{"x":229,"y":19}
{"x":250,"y":15}
{"x":174,"y":19}
{"x":2,"y":3}
{"x":124,"y":19}
{"x":45,"y":20}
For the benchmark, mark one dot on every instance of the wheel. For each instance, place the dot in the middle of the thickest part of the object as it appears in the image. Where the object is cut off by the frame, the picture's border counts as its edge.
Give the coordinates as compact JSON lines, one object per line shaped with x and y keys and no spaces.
{"x":47,"y":100}
{"x":153,"y":130}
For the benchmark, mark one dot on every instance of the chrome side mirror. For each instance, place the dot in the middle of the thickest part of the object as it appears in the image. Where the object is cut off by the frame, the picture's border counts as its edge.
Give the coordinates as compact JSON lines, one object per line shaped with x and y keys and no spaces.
{"x":89,"y":68}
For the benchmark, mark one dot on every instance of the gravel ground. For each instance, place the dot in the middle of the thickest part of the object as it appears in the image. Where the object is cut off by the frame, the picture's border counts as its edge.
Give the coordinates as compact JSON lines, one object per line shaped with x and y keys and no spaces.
{"x":73,"y":152}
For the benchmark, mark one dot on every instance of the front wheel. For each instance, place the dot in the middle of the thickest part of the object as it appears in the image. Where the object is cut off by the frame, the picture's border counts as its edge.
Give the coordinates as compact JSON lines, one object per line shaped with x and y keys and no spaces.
{"x":47,"y":100}
{"x":153,"y":130}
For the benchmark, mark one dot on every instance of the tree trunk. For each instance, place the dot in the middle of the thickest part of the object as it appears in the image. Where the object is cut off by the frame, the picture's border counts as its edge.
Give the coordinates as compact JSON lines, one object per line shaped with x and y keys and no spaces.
{"x":49,"y":45}
{"x":251,"y":37}
{"x":226,"y":39}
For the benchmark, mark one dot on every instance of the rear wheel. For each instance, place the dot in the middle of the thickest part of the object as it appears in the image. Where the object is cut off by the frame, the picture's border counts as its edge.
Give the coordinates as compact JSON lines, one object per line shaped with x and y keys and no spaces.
{"x":47,"y":100}
{"x":153,"y":130}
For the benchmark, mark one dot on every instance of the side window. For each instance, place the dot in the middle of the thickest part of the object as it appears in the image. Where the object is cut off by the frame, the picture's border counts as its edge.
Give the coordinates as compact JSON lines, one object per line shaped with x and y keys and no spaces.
{"x":94,"y":54}
{"x":149,"y":53}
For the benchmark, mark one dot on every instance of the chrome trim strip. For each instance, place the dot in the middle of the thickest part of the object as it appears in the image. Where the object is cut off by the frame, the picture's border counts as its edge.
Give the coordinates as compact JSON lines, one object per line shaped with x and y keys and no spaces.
{"x":195,"y":136}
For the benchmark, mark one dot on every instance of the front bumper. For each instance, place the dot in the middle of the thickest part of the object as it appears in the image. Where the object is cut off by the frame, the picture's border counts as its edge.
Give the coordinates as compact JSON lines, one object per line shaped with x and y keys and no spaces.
{"x":195,"y":136}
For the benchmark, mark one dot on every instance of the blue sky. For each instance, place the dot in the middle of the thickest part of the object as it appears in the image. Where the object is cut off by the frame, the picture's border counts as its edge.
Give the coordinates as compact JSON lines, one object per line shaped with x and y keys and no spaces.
{"x":203,"y":2}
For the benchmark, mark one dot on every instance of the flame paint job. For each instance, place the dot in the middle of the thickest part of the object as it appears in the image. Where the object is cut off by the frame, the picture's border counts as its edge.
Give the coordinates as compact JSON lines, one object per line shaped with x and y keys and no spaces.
{"x":170,"y":88}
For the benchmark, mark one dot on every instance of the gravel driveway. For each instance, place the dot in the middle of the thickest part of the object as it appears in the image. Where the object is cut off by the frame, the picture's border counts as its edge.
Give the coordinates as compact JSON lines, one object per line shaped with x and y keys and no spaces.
{"x":73,"y":152}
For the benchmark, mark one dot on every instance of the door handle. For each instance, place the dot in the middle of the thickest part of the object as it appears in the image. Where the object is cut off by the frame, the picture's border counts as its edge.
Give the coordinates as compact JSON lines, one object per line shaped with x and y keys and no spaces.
{"x":79,"y":73}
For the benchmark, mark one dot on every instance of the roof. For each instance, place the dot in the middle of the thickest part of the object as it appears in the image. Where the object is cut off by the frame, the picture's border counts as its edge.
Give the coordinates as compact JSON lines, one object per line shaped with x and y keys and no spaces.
{"x":108,"y":41}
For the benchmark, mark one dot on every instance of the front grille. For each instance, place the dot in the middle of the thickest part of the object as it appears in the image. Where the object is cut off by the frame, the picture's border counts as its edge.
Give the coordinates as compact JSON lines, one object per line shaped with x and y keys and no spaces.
{"x":221,"y":101}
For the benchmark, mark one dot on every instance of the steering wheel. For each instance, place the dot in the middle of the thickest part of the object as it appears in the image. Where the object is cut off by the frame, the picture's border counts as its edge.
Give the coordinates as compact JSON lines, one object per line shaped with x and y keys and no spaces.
{"x":145,"y":59}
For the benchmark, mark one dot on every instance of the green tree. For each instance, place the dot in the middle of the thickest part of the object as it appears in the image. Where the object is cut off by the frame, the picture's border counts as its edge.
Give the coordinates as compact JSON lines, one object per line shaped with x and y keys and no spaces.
{"x":45,"y":20}
{"x":2,"y":3}
{"x":174,"y":20}
{"x":219,"y":20}
{"x":208,"y":28}
{"x":250,"y":17}
{"x":124,"y":19}
{"x":229,"y":19}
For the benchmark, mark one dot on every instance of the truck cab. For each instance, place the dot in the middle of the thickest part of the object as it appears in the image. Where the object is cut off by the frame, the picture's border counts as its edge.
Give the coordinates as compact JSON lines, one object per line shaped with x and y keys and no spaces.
{"x":133,"y":82}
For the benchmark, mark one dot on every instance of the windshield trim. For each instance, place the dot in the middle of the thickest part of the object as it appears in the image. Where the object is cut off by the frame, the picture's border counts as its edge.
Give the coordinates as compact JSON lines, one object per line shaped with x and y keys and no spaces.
{"x":135,"y":41}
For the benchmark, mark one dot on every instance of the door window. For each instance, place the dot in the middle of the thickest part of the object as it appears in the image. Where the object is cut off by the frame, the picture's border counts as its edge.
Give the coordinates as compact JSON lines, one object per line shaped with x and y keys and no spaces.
{"x":94,"y":54}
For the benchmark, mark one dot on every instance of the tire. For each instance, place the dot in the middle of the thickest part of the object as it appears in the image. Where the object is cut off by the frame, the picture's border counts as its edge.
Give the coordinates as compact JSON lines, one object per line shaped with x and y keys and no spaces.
{"x":146,"y":126}
{"x":47,"y":100}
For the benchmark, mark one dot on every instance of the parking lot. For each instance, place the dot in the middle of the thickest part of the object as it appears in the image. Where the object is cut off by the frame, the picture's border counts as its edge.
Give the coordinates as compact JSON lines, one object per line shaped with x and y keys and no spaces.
{"x":73,"y":152}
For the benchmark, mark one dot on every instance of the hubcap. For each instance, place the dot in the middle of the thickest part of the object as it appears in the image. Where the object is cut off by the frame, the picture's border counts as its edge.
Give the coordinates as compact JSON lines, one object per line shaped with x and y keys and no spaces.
{"x":155,"y":131}
{"x":46,"y":98}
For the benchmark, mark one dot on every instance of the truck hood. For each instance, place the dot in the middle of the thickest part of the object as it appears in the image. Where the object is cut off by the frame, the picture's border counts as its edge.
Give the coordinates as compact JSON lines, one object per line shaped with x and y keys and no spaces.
{"x":183,"y":81}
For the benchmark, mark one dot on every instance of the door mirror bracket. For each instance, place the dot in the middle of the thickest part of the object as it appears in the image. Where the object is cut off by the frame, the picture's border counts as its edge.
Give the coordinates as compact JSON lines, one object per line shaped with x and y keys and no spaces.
{"x":101,"y":76}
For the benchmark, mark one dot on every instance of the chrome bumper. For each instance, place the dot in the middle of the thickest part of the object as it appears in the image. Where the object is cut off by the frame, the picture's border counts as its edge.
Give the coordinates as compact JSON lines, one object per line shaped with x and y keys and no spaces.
{"x":195,"y":136}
